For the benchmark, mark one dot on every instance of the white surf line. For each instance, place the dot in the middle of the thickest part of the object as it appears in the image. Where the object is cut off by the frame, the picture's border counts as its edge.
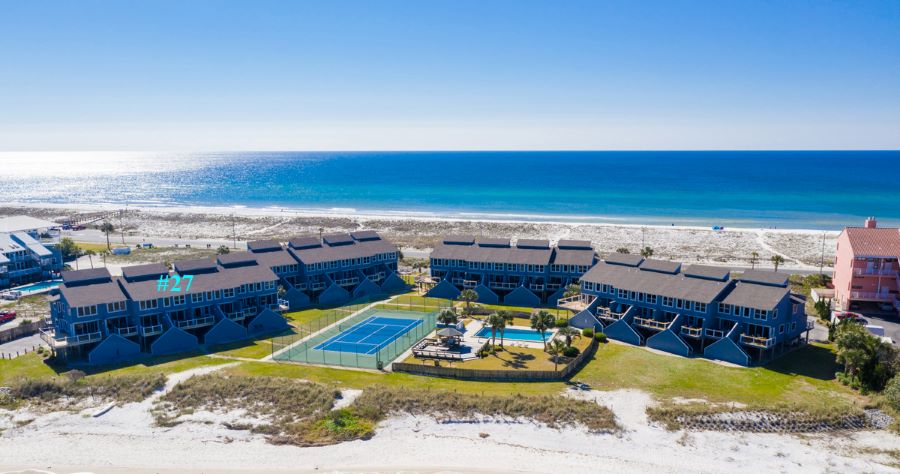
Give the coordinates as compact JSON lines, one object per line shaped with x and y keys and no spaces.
{"x":280,"y":351}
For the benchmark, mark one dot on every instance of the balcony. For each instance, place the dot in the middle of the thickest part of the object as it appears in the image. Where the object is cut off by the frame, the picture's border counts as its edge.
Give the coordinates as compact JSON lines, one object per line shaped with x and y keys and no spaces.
{"x":126,"y":331}
{"x":688,"y":331}
{"x":757,"y":341}
{"x":347,"y":281}
{"x":470,"y":283}
{"x":651,"y":324}
{"x":57,"y":341}
{"x":236,"y":316}
{"x":249,"y":311}
{"x":715,"y":333}
{"x":553,"y":286}
{"x":872,"y":296}
{"x":502,"y":285}
{"x":195,"y":322}
{"x":147,"y":331}
{"x":576,"y":303}
{"x":316,"y":286}
{"x":891,"y":272}
{"x":606,"y":313}
{"x":536,"y":287}
{"x":376,"y":276}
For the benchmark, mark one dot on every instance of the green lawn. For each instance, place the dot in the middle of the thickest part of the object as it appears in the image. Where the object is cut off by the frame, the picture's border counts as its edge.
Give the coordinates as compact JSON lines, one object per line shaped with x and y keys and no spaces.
{"x":29,"y":366}
{"x":805,"y":376}
{"x":166,"y":365}
{"x":253,"y":349}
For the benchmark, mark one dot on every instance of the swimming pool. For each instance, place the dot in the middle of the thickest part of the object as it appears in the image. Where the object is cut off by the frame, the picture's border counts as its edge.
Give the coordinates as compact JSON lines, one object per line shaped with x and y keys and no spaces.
{"x":515,"y":334}
{"x":41,"y":286}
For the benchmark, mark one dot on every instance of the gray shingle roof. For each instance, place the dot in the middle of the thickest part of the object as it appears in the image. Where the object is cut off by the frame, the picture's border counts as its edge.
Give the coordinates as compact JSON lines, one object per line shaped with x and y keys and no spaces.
{"x":477,"y":253}
{"x":533,"y":244}
{"x":707,"y":271}
{"x":662,"y":266}
{"x":764,"y":277}
{"x":573,"y":257}
{"x":493,"y":242}
{"x":459,"y":239}
{"x":750,"y":295}
{"x":354,"y":249}
{"x":86,"y":275}
{"x":232,"y":259}
{"x":337,"y":239}
{"x":195,"y":265}
{"x":262,"y":245}
{"x":628,"y":259}
{"x":219,"y":279}
{"x":150,"y":270}
{"x":276,"y":258}
{"x":574,"y":244}
{"x":662,"y":284}
{"x":92,"y":294}
{"x":305,"y":242}
{"x":365,"y":235}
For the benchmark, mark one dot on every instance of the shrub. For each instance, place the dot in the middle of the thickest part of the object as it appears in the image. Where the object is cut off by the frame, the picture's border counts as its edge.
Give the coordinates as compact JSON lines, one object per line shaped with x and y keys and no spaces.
{"x":562,"y":323}
{"x":600,"y":337}
{"x":892,"y":393}
{"x":587,"y":332}
{"x":571,"y":351}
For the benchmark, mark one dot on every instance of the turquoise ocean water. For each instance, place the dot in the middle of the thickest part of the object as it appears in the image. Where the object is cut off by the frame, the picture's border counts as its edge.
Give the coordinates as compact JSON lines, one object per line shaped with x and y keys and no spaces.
{"x":806,"y":189}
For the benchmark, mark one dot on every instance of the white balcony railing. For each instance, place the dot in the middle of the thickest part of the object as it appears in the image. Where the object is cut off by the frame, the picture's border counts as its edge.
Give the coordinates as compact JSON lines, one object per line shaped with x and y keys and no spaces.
{"x":757,"y":341}
{"x":127,"y":331}
{"x":235,"y":316}
{"x":715,"y":333}
{"x":195,"y":322}
{"x":536,"y":287}
{"x":249,"y":311}
{"x":58,"y":340}
{"x":579,"y":302}
{"x":651,"y":324}
{"x":691,"y":332}
{"x":470,"y":283}
{"x":875,"y":272}
{"x":607,"y":313}
{"x":872,"y":295}
{"x":153,"y":330}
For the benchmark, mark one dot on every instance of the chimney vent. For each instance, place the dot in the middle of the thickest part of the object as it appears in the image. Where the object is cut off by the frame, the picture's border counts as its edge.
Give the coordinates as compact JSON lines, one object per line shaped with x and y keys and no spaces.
{"x":871,"y":223}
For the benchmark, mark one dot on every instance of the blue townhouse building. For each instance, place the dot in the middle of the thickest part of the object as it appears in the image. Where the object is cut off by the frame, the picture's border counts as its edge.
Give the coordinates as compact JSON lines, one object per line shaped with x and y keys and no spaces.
{"x":24,"y":259}
{"x":693,"y":310}
{"x":106,"y":319}
{"x":529,"y":273}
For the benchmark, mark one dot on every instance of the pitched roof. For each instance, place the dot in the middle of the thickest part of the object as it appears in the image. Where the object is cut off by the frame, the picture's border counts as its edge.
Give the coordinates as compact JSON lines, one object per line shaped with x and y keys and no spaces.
{"x":17,"y":223}
{"x":365,"y":235}
{"x":86,"y":275}
{"x":764,"y":277}
{"x":459,"y":239}
{"x":136,"y":272}
{"x":573,"y":257}
{"x":751,"y":295}
{"x":305,"y":242}
{"x":220,"y":279}
{"x":337,"y":239}
{"x":627,"y":259}
{"x":336,"y":249}
{"x":533,"y":244}
{"x":877,"y":242}
{"x":195,"y":265}
{"x":707,"y":271}
{"x":493,"y":242}
{"x":93,"y":294}
{"x":478,"y":253}
{"x":663,"y":284}
{"x":262,"y":245}
{"x":233,"y":259}
{"x":662,"y":266}
{"x":275,"y":258}
{"x":574,"y":244}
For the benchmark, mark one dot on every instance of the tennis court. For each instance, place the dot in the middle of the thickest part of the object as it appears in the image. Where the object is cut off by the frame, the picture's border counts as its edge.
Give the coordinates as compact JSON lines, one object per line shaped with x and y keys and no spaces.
{"x":369,"y":336}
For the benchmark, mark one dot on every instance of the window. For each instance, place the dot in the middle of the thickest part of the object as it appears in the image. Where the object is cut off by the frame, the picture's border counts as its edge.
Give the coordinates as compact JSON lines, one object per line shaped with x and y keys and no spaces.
{"x":793,"y":326}
{"x":781,"y":329}
{"x":651,"y":299}
{"x":178,"y":300}
{"x":209,"y":296}
{"x":228,"y":292}
{"x":114,"y":307}
{"x":167,"y":302}
{"x":147,"y":304}
{"x":724,"y":308}
{"x":679,"y":303}
{"x":196,"y":297}
{"x":668,"y":301}
{"x":623,"y":294}
{"x":87,"y":311}
{"x":700,"y":307}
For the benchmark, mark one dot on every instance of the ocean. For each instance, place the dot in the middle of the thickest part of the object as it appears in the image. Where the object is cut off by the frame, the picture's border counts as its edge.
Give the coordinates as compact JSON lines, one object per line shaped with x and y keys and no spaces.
{"x":796,"y":189}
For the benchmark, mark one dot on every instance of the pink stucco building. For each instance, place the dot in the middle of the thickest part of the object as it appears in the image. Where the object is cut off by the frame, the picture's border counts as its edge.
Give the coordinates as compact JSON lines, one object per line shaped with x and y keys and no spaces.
{"x":866,"y":266}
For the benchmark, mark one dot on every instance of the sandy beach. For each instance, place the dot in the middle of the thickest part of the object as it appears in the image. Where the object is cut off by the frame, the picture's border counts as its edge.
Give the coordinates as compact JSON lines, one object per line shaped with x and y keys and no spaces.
{"x":125,"y":440}
{"x":802,"y":249}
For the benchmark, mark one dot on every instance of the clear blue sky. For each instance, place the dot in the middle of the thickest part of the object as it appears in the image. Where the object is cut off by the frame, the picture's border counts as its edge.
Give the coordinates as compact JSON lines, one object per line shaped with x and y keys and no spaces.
{"x":458,"y":74}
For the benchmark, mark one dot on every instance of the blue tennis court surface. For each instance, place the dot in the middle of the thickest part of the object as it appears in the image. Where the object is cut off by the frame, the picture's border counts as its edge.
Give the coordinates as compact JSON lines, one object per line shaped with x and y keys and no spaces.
{"x":369,"y":336}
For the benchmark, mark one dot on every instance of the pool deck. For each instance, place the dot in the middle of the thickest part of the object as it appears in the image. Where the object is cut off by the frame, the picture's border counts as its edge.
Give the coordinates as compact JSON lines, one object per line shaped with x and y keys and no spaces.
{"x":473,"y":327}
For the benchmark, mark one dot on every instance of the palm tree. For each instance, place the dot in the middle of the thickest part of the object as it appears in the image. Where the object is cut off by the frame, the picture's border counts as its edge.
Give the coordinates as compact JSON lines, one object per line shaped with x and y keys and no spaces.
{"x":497,"y":323}
{"x":222,"y":250}
{"x":646,"y":252}
{"x":468,"y":296}
{"x":106,"y":228}
{"x":754,"y":259}
{"x":448,"y":316}
{"x":508,"y":319}
{"x":569,"y":333}
{"x":90,"y":254}
{"x":541,"y":322}
{"x":556,"y":349}
{"x":777,"y":260}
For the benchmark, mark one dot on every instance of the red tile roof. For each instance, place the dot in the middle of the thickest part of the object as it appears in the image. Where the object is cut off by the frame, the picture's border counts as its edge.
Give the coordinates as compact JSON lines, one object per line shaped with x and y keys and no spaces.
{"x":865,"y":242}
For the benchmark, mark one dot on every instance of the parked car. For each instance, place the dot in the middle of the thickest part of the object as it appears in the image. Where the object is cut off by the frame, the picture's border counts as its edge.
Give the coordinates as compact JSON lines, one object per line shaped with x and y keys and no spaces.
{"x":887,"y":307}
{"x":7,"y":315}
{"x":839,"y":316}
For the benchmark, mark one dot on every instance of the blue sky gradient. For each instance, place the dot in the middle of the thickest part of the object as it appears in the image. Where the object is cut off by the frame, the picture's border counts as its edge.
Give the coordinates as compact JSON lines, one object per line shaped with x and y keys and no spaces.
{"x":345,"y":75}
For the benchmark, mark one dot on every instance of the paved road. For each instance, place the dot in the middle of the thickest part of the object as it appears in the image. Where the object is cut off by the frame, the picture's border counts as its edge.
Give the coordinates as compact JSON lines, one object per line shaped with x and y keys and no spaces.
{"x":891,"y":325}
{"x":21,"y":345}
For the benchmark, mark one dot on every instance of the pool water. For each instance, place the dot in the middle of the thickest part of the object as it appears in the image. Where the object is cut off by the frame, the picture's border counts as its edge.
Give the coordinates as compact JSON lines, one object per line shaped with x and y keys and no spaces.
{"x":44,"y":285}
{"x":515,"y":334}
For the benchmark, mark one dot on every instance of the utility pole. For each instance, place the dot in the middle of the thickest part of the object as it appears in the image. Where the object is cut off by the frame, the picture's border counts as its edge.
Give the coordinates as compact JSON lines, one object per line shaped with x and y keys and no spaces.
{"x":822,"y":261}
{"x":643,"y":231}
{"x":233,"y":234}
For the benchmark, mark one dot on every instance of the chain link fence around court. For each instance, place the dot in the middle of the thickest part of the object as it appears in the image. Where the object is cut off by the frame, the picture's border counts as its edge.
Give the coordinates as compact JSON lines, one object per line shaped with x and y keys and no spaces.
{"x":301,"y":347}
